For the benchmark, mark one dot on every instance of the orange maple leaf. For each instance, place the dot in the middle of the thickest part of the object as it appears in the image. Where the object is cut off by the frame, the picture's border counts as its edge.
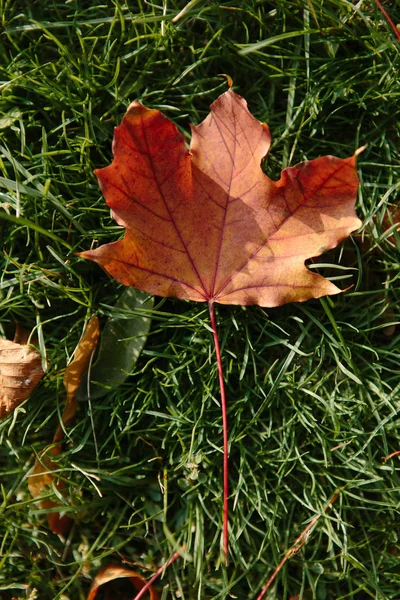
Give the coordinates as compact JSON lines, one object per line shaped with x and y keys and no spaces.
{"x":207,"y":224}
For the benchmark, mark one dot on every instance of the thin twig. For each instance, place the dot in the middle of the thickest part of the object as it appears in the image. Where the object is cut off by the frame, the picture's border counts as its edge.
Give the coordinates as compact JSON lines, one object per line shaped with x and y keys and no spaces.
{"x":388,"y":19}
{"x":299,"y":543}
{"x":156,"y":575}
{"x":225,"y":536}
{"x":390,"y":456}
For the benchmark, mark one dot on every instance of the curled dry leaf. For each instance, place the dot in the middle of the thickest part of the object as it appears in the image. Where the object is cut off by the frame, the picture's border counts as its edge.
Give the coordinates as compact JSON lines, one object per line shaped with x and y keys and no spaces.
{"x":42,"y":476}
{"x":40,"y":481}
{"x":111,"y":573}
{"x":75,"y":372}
{"x":20,"y":372}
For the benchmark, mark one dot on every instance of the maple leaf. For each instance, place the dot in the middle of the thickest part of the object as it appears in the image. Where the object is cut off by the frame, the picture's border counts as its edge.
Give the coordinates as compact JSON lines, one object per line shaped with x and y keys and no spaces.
{"x":208,"y":224}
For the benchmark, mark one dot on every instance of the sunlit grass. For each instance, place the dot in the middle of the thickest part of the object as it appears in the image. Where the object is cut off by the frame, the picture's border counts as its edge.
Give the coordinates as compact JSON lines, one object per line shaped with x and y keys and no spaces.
{"x":313,"y":388}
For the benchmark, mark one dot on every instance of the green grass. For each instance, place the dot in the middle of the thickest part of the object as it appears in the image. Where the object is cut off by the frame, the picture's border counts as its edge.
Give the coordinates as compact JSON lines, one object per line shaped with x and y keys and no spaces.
{"x":313,"y":389}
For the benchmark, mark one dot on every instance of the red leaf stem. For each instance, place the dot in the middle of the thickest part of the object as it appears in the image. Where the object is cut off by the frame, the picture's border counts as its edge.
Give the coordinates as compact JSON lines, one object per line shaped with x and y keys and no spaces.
{"x":299,"y":543}
{"x":156,"y":575}
{"x":390,"y":456}
{"x":225,"y":535}
{"x":388,"y":19}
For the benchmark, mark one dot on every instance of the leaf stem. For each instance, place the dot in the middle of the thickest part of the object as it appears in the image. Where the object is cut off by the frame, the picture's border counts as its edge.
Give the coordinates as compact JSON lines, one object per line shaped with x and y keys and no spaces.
{"x":225,"y":537}
{"x":159,"y":572}
{"x":388,"y":19}
{"x":299,"y":543}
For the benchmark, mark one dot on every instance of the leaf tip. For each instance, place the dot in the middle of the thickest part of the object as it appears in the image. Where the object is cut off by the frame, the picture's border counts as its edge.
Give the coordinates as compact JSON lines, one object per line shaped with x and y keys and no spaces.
{"x":135,"y":108}
{"x":360,"y":150}
{"x":229,"y":79}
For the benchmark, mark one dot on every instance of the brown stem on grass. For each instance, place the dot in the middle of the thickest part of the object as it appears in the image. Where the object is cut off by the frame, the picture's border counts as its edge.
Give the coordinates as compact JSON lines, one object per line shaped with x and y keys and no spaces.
{"x":225,"y":537}
{"x":390,"y":456}
{"x":299,"y":543}
{"x":159,"y":572}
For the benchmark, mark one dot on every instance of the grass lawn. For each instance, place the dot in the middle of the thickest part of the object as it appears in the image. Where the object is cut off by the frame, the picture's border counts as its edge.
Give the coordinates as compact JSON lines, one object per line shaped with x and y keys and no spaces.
{"x":313,"y":389}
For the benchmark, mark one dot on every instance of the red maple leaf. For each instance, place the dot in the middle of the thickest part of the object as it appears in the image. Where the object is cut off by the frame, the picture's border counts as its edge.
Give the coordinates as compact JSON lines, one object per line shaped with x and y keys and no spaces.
{"x":207,"y":224}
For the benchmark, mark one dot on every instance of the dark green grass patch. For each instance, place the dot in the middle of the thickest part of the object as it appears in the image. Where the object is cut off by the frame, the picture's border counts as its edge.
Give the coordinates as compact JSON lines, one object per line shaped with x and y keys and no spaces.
{"x":313,"y":389}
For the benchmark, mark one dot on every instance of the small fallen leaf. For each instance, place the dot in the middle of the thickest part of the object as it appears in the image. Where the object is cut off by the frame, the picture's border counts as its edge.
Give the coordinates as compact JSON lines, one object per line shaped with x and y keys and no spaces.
{"x":20,"y":372}
{"x":8,"y":118}
{"x":75,"y":371}
{"x":112,"y":573}
{"x":40,"y":481}
{"x":121,"y":343}
{"x":42,"y":477}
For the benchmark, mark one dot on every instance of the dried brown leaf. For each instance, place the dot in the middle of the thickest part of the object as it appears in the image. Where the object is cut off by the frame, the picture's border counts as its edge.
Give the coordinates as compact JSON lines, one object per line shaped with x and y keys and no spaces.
{"x":42,"y":475}
{"x":111,"y":573}
{"x":20,"y":372}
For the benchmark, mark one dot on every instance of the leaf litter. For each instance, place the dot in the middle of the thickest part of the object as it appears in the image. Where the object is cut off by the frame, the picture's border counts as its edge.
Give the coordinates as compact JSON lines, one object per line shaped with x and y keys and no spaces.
{"x":43,"y":475}
{"x":20,"y":371}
